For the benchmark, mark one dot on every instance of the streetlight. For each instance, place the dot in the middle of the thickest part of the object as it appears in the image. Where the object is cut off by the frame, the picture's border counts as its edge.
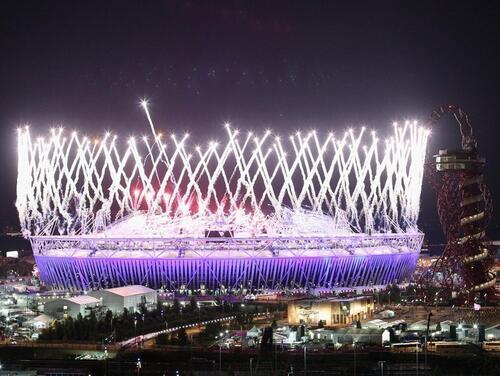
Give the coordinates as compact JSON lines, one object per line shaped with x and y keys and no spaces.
{"x":305,"y":360}
{"x":416,"y":352}
{"x":425,"y":354}
{"x":220,"y":359}
{"x":381,"y":365}
{"x":355,"y":366}
{"x":105,"y":360}
{"x":139,"y":366}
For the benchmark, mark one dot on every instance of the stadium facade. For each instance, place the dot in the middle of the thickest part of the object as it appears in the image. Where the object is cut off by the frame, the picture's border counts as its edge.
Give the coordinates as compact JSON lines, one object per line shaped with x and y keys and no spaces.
{"x":256,"y":212}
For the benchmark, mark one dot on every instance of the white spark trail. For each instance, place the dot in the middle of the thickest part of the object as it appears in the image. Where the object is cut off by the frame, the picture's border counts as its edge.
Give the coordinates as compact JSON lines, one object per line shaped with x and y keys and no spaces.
{"x":68,"y":184}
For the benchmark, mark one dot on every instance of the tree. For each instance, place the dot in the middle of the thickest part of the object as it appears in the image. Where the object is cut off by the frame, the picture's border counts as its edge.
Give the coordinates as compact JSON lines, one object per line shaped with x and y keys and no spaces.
{"x":182,"y":338}
{"x":59,"y":330}
{"x":176,"y":307}
{"x":162,"y":339}
{"x":142,"y":308}
{"x":159,"y":306}
{"x":125,"y":314}
{"x":108,"y":318}
{"x":79,"y":324}
{"x":193,"y":306}
{"x":69,"y":328}
{"x":438,"y":327}
{"x":212,"y":329}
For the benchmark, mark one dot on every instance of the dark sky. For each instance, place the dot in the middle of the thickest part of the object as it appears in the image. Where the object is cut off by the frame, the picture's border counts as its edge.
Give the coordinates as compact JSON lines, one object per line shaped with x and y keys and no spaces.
{"x":283,"y":65}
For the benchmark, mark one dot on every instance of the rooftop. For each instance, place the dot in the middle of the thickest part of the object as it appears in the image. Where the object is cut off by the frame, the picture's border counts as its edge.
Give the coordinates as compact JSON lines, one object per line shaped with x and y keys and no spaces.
{"x":41,"y":318}
{"x":130,"y":290}
{"x":332,"y":299}
{"x":82,"y":299}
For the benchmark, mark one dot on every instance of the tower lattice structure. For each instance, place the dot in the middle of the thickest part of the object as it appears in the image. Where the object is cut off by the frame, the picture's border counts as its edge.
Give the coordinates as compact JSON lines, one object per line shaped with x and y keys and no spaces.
{"x":464,"y":208}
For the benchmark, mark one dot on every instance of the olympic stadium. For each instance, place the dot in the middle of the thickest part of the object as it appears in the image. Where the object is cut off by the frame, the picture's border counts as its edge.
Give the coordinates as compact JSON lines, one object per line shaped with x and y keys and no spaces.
{"x":250,"y":211}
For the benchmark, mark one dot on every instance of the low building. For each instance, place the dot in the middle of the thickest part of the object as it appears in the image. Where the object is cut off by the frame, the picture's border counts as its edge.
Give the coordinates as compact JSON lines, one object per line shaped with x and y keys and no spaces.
{"x":330,"y":312}
{"x":254,"y":332}
{"x":381,"y":324}
{"x":420,"y":326}
{"x":346,"y":336}
{"x":18,"y":373}
{"x":386,"y":314}
{"x":71,"y":306}
{"x":493,"y":333}
{"x":39,"y":322}
{"x":129,"y":297}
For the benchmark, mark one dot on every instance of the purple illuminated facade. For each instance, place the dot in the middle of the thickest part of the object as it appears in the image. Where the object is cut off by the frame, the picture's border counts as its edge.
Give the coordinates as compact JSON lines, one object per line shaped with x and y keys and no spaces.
{"x":233,"y":264}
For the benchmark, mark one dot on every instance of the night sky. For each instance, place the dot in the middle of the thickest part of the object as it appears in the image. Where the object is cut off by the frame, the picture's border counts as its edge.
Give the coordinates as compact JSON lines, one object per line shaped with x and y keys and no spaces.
{"x":282,"y":65}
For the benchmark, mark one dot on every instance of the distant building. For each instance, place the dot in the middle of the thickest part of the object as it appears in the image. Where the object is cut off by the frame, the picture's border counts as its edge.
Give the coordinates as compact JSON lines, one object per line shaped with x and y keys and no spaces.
{"x":344,"y":336}
{"x":71,"y":306}
{"x":386,"y":314}
{"x":39,"y":322}
{"x":330,"y":312}
{"x":130,"y":297}
{"x":18,"y":373}
{"x":493,"y":333}
{"x":381,"y":324}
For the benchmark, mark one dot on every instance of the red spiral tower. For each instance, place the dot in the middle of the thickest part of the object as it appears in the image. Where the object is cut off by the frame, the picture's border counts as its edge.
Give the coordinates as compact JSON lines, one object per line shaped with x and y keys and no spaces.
{"x":464,"y":207}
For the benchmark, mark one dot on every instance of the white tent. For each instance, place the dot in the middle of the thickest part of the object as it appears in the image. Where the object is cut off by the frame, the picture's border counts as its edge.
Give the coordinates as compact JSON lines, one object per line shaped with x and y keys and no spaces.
{"x":40,"y":322}
{"x":254,"y":332}
{"x":386,"y":314}
{"x":493,"y":333}
{"x":420,"y":326}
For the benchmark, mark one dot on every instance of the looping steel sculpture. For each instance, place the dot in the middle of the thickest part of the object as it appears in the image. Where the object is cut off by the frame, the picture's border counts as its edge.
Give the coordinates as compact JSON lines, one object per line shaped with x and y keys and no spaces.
{"x":464,"y":207}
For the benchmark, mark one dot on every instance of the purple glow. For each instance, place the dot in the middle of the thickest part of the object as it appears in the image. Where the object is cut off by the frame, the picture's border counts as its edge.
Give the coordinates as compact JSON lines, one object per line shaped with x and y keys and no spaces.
{"x":268,"y":273}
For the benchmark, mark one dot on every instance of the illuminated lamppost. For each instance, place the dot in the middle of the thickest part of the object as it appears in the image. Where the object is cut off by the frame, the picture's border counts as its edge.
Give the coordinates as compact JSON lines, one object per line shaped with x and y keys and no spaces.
{"x":220,"y":358}
{"x":305,"y":360}
{"x":381,"y":365}
{"x":416,"y":352}
{"x":355,"y":366}
{"x":105,"y":360}
{"x":139,"y":366}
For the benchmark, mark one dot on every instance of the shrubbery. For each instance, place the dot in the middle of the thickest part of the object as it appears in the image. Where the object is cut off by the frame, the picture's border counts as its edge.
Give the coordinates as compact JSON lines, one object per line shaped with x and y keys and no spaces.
{"x":106,"y":327}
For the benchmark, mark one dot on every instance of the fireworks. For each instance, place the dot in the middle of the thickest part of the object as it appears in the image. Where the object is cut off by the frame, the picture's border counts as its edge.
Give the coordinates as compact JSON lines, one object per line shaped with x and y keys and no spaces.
{"x":71,"y":184}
